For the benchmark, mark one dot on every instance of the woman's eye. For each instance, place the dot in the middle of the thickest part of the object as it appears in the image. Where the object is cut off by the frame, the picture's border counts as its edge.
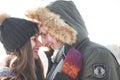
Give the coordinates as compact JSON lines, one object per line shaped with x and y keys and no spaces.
{"x":34,"y":39}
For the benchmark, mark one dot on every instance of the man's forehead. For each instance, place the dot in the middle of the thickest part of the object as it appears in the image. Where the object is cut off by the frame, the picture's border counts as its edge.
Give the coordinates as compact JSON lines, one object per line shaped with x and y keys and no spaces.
{"x":42,"y":30}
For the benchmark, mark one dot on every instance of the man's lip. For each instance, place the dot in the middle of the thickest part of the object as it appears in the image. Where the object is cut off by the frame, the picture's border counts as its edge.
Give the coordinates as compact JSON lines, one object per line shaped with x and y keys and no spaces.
{"x":48,"y":45}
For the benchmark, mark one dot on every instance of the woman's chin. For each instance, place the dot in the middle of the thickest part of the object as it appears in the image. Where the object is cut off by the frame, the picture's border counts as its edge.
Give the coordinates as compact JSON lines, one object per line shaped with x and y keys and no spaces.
{"x":36,"y":56}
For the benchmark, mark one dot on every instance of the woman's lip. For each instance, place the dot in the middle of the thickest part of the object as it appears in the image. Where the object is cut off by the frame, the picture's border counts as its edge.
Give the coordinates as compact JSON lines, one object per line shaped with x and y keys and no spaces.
{"x":35,"y":51}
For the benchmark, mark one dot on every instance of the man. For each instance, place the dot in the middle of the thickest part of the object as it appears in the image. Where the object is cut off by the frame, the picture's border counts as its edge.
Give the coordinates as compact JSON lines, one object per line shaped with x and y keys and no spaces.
{"x":98,"y":62}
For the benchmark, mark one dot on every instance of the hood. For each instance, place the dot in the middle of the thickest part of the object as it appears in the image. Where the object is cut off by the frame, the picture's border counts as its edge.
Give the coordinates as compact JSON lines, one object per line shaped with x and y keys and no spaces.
{"x":62,"y":20}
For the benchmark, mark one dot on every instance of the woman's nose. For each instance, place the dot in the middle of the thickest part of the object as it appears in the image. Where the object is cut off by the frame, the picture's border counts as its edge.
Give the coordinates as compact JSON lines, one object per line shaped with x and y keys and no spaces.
{"x":39,"y":44}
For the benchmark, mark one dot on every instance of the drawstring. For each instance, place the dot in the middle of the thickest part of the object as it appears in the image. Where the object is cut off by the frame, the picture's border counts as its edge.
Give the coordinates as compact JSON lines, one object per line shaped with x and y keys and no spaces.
{"x":57,"y":64}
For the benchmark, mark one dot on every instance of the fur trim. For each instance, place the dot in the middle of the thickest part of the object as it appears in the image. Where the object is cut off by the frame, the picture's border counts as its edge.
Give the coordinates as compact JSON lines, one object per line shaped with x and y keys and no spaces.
{"x":3,"y":16}
{"x":53,"y":24}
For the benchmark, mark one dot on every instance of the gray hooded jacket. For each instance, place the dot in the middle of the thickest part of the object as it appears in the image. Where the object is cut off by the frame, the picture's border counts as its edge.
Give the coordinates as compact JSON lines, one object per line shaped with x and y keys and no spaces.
{"x":98,"y":62}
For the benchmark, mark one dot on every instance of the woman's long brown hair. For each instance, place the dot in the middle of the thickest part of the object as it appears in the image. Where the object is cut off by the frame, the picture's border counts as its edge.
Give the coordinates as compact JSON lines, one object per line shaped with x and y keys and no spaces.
{"x":25,"y":66}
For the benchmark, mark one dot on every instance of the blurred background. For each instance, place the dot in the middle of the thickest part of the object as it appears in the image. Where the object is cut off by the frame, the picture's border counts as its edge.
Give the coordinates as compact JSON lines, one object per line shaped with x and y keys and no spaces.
{"x":102,"y":18}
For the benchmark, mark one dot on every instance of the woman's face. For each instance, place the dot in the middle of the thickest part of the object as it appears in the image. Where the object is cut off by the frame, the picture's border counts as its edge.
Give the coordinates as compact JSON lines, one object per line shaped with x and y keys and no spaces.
{"x":35,"y":45}
{"x":48,"y":40}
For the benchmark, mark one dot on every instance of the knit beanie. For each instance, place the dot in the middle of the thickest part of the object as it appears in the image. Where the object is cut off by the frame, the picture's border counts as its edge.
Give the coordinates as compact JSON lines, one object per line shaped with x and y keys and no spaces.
{"x":15,"y":32}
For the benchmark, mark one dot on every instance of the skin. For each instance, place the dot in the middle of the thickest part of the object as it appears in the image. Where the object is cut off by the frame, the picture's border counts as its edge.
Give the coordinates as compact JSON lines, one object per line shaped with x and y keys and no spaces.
{"x":35,"y":43}
{"x":48,"y":40}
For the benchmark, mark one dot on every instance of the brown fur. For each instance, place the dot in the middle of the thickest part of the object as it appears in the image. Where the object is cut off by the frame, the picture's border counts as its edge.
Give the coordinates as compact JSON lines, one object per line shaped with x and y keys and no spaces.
{"x":53,"y":24}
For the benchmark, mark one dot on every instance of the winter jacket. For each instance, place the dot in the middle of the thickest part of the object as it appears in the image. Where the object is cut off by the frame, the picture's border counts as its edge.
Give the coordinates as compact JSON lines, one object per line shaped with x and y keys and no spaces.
{"x":98,"y":62}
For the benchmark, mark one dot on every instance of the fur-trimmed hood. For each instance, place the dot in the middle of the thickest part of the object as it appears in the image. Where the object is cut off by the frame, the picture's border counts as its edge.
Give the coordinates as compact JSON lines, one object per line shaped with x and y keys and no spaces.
{"x":62,"y":20}
{"x":54,"y":25}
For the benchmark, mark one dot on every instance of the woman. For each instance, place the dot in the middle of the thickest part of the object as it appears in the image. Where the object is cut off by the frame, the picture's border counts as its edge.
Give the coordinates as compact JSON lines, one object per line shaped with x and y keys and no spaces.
{"x":20,"y":40}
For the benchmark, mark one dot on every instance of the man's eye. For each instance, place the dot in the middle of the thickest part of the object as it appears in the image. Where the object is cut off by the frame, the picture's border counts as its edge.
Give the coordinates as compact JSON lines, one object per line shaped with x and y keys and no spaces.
{"x":43,"y":34}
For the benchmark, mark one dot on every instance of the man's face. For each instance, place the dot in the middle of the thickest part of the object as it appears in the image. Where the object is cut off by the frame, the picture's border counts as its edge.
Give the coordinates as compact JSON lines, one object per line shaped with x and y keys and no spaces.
{"x":48,"y":40}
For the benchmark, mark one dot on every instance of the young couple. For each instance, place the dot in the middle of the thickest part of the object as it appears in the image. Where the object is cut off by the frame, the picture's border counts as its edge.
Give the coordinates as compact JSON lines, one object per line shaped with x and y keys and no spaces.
{"x":72,"y":56}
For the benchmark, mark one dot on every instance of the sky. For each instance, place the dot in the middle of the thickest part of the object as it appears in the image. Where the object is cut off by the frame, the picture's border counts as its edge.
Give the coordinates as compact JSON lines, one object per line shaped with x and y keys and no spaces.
{"x":102,"y":17}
